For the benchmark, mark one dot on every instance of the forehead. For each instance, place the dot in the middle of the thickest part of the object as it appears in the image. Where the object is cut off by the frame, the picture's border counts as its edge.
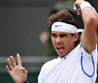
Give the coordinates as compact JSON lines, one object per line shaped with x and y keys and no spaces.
{"x":59,"y":32}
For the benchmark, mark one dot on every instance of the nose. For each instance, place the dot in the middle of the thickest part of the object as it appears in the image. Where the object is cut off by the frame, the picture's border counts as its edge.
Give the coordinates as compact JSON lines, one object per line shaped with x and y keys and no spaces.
{"x":58,"y":40}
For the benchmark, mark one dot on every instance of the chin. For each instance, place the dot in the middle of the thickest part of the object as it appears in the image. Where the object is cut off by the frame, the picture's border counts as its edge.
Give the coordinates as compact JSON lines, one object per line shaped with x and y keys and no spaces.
{"x":61,"y":55}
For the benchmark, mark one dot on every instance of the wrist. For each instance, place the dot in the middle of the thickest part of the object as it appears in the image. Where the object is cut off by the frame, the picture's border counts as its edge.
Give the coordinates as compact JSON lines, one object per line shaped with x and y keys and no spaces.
{"x":85,"y":4}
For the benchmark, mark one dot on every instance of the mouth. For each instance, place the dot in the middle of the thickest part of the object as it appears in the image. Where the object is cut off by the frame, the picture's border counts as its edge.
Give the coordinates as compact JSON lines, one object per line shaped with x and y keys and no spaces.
{"x":60,"y":49}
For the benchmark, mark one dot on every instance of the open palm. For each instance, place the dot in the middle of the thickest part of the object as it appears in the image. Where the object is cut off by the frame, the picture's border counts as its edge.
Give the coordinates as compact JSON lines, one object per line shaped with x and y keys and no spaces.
{"x":17,"y":72}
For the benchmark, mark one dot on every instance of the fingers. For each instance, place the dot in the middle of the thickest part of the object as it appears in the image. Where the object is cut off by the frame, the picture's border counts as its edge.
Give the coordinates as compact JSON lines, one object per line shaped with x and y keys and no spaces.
{"x":7,"y":68}
{"x":75,"y":4}
{"x":19,"y":60}
{"x":79,"y":13}
{"x":13,"y":61}
{"x":10,"y":63}
{"x":78,"y":10}
{"x":78,"y":2}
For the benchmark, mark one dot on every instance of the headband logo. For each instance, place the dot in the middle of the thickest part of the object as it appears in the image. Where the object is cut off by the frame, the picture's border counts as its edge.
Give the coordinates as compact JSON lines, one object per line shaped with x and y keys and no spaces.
{"x":58,"y":25}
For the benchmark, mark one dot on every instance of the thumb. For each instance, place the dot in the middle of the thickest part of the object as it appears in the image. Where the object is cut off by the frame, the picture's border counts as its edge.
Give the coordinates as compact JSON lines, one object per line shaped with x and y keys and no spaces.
{"x":23,"y":70}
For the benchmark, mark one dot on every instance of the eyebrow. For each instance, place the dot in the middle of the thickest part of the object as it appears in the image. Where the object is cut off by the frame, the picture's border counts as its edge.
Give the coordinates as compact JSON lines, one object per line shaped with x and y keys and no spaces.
{"x":63,"y":34}
{"x":59,"y":34}
{"x":52,"y":33}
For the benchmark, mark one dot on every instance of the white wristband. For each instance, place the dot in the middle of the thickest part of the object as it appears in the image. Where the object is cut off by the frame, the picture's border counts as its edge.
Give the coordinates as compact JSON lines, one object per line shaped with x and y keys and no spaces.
{"x":85,"y":4}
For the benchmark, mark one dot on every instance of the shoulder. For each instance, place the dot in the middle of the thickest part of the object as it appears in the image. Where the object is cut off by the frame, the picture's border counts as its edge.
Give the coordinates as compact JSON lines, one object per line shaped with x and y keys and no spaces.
{"x":83,"y":50}
{"x":89,"y":56}
{"x":47,"y":66}
{"x":49,"y":63}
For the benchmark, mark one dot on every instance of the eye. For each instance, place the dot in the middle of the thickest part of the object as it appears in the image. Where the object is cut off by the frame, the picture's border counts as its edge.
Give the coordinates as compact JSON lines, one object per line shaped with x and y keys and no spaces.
{"x":63,"y":35}
{"x":54,"y":35}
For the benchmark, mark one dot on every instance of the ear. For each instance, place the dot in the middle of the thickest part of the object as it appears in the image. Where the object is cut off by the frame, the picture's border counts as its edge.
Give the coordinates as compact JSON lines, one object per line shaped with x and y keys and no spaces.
{"x":76,"y":36}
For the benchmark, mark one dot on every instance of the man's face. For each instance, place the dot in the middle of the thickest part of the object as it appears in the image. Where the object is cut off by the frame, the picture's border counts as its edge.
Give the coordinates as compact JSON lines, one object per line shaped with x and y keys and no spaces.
{"x":63,"y":42}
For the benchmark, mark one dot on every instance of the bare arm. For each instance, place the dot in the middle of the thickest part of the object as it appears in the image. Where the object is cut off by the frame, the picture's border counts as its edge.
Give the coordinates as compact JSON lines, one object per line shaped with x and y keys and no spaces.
{"x":90,"y":19}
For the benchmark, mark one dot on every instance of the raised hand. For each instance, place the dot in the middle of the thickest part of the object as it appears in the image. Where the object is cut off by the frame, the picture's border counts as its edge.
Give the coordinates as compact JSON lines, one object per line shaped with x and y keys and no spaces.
{"x":78,"y":2}
{"x":77,"y":6}
{"x":17,"y":72}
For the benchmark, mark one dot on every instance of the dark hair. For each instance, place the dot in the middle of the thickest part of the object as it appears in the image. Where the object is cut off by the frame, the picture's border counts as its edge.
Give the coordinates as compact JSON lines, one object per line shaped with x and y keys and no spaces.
{"x":63,"y":16}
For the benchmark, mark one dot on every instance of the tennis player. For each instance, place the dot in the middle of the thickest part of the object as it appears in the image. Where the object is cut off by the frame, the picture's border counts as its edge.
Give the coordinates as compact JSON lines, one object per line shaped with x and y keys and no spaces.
{"x":77,"y":55}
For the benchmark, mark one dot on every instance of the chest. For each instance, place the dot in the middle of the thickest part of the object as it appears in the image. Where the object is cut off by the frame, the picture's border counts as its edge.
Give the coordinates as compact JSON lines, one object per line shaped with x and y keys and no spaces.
{"x":63,"y":70}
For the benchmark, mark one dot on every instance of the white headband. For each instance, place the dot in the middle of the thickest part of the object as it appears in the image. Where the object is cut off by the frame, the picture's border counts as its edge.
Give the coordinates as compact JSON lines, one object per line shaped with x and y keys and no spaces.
{"x":64,"y":27}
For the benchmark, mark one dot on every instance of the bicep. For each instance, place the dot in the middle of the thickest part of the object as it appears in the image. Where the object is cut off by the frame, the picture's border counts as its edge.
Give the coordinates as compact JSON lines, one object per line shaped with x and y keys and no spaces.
{"x":89,"y":38}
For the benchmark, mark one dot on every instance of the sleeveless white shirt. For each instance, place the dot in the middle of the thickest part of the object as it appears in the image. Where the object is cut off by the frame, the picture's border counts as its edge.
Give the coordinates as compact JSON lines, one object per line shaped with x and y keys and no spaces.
{"x":77,"y":67}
